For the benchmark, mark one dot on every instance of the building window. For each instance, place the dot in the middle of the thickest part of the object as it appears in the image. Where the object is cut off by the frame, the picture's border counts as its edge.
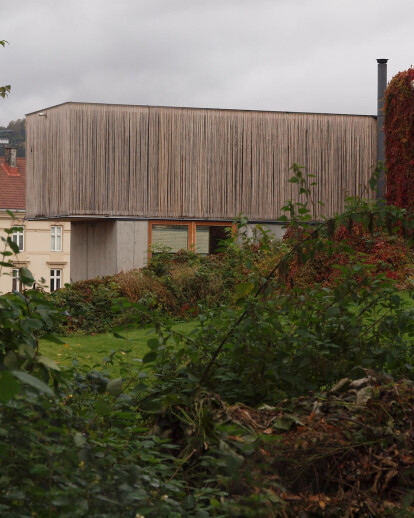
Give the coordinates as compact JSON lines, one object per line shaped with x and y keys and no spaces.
{"x":170,"y":237}
{"x":202,"y":237}
{"x":16,"y":282}
{"x":56,"y":239}
{"x":209,"y":237}
{"x":55,"y":279}
{"x":18,"y":237}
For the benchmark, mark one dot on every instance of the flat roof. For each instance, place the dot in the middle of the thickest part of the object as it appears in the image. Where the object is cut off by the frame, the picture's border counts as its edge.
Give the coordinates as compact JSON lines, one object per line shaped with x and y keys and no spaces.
{"x":197,"y":108}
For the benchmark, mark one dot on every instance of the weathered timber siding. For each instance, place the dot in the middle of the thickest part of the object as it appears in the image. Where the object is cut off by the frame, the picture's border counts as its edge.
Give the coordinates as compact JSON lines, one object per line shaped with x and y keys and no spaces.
{"x":158,"y":162}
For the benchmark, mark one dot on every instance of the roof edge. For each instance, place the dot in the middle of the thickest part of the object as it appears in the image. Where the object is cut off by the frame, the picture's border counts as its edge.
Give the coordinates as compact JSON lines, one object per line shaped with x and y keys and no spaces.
{"x":235,"y":110}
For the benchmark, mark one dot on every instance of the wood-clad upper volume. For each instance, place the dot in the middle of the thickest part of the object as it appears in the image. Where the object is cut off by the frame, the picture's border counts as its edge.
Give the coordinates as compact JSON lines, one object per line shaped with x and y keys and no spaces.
{"x":172,"y":163}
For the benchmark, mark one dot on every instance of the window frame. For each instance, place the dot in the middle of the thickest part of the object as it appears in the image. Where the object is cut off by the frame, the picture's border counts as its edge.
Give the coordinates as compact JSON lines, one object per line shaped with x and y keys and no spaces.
{"x":17,"y":285}
{"x":192,"y":229}
{"x":55,"y":279}
{"x":53,"y":237}
{"x":17,"y":234}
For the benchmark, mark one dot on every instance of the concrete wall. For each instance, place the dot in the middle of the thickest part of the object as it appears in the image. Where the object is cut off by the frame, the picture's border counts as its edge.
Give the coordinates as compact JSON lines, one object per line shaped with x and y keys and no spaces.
{"x":111,"y":246}
{"x":276,"y":229}
{"x":107,"y":247}
{"x":132,"y":238}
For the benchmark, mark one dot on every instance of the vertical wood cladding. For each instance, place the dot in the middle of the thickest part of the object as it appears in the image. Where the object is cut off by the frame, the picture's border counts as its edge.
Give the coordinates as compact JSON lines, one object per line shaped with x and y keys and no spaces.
{"x":159,"y":162}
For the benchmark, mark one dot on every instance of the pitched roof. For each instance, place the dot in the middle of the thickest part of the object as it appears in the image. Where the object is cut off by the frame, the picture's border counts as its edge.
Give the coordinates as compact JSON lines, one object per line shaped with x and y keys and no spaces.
{"x":13,"y":185}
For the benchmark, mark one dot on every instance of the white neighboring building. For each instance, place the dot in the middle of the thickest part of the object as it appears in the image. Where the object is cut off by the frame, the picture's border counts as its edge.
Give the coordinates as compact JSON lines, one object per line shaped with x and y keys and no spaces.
{"x":44,"y":245}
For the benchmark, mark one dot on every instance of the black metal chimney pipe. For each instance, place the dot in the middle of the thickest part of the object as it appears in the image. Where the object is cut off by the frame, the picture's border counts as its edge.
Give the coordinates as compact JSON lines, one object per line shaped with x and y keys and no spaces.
{"x":382,"y":85}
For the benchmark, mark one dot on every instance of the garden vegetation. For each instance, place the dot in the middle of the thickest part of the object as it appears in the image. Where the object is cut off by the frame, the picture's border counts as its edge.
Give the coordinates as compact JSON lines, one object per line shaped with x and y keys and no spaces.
{"x":282,"y":400}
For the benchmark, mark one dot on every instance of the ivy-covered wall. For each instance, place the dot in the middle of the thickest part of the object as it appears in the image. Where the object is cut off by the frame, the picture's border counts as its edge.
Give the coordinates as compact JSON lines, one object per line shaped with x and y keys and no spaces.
{"x":399,"y":140}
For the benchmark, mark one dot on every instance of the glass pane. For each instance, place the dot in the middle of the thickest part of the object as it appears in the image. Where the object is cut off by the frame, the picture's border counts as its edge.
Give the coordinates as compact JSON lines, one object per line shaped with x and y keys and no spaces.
{"x":202,"y":239}
{"x":175,"y":237}
{"x":208,"y":238}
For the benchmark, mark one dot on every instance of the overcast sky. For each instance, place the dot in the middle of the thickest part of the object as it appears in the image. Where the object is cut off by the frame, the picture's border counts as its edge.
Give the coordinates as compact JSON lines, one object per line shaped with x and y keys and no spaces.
{"x":282,"y":55}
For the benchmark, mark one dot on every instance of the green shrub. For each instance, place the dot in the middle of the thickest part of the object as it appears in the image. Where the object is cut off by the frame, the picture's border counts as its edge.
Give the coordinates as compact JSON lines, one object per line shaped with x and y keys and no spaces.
{"x":89,"y":305}
{"x":167,"y":439}
{"x":280,"y":338}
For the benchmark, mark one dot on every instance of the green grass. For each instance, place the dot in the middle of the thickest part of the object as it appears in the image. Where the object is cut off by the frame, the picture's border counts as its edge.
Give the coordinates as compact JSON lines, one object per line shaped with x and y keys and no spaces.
{"x":92,"y":351}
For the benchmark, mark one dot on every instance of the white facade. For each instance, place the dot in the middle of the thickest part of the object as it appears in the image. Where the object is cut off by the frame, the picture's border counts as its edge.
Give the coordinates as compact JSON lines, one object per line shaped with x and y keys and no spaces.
{"x":45,"y":251}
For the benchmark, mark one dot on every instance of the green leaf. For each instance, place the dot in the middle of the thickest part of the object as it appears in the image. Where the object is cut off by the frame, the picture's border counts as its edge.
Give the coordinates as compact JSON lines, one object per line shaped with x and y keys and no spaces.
{"x":27,"y":350}
{"x":31,"y":324}
{"x":10,"y":361}
{"x":286,"y":421}
{"x":149,"y":357}
{"x":114,"y":387}
{"x":242,"y":290}
{"x":373,"y":182}
{"x":26,"y":276}
{"x":39,"y":469}
{"x":189,"y":502}
{"x":9,"y":386}
{"x":103,"y":408}
{"x":33,"y":382}
{"x":14,"y":246}
{"x":47,"y":362}
{"x":153,"y":343}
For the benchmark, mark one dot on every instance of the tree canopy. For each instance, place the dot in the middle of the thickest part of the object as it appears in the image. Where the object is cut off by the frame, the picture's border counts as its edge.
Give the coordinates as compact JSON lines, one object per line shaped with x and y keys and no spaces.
{"x":4,"y":90}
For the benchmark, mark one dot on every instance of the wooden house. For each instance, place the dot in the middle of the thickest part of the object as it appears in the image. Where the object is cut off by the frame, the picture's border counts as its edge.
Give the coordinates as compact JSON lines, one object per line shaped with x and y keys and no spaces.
{"x":130,"y":177}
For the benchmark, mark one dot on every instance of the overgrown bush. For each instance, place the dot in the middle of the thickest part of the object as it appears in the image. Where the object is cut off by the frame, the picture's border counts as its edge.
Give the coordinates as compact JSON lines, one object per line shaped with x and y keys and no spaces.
{"x":174,"y":435}
{"x":172,"y":284}
{"x":281,"y":338}
{"x":89,"y":305}
{"x":72,"y":442}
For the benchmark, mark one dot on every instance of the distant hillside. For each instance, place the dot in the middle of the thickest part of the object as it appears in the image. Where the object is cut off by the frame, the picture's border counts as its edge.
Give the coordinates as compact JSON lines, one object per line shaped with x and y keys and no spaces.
{"x":16,"y":135}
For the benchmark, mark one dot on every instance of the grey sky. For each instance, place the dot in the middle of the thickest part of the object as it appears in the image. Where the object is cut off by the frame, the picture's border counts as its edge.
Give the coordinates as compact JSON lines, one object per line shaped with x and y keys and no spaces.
{"x":293,"y":55}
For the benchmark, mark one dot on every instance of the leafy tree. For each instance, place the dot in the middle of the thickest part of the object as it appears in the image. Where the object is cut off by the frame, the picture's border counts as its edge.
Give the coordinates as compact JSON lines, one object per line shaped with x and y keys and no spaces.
{"x":4,"y":90}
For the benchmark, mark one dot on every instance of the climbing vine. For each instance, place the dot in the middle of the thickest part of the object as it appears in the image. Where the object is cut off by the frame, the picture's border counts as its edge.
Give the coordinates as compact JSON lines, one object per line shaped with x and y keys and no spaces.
{"x":399,"y":140}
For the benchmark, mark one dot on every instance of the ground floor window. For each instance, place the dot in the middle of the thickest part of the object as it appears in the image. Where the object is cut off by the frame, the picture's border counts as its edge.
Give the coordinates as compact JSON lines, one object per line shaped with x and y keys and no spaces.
{"x":202,"y":237}
{"x":208,"y":238}
{"x":16,"y":282}
{"x":171,"y":237}
{"x":55,"y":279}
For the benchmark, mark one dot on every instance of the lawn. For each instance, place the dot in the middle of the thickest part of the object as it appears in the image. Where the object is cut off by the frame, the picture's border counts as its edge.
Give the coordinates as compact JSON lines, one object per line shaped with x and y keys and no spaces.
{"x":93,"y":351}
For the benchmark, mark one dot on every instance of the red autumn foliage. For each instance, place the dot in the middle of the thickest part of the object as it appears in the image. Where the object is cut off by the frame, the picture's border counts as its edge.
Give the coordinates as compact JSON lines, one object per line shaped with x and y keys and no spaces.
{"x":399,"y":139}
{"x":382,"y":253}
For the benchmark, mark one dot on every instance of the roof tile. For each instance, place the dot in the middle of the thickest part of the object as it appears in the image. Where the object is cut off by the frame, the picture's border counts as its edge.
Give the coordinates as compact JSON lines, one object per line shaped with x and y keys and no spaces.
{"x":12,"y":185}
